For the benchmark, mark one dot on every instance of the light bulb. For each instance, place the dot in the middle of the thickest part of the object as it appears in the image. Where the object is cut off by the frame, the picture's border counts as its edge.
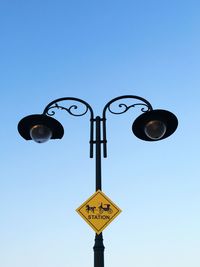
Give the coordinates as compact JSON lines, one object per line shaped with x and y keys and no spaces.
{"x":155,"y":129}
{"x":40,"y":133}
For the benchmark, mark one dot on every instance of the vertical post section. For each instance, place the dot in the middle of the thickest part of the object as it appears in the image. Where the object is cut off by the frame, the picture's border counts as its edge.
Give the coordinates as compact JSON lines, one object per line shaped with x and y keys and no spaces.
{"x":98,"y":246}
{"x":98,"y":153}
{"x":91,"y":138}
{"x":104,"y":138}
{"x":99,"y":251}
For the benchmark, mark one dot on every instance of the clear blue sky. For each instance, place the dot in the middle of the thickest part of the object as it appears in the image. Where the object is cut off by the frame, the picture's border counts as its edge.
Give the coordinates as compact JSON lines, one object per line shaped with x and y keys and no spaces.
{"x":97,"y":50}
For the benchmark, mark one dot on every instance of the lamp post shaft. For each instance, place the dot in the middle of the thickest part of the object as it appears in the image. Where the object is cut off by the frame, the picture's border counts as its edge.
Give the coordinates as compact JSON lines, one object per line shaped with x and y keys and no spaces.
{"x":98,"y":153}
{"x":98,"y":246}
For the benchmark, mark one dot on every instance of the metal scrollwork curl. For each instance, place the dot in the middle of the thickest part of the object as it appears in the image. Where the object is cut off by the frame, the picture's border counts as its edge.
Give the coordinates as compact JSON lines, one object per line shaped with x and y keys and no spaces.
{"x":146,"y":106}
{"x":125,"y":108}
{"x":69,"y":109}
{"x":76,"y":110}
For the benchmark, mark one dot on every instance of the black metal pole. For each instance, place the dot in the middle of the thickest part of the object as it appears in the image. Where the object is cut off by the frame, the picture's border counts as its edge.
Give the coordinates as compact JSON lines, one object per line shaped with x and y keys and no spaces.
{"x":98,"y":246}
{"x":98,"y":153}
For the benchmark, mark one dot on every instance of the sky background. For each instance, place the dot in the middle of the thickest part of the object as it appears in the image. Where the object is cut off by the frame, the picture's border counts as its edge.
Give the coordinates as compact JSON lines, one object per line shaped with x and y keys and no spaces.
{"x":98,"y":50}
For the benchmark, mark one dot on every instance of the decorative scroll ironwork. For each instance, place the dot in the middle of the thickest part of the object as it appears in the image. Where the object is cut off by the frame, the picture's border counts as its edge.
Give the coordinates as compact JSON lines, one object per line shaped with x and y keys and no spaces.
{"x":70,"y":110}
{"x":126,"y":108}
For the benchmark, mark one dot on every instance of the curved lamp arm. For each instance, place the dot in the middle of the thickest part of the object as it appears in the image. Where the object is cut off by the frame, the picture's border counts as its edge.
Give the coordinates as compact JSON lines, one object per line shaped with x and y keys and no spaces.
{"x":122,"y":109}
{"x":55,"y":104}
{"x":125,"y":107}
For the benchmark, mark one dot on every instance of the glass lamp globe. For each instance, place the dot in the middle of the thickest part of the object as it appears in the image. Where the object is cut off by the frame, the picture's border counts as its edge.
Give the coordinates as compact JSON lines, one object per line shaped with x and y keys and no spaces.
{"x":40,"y":133}
{"x":155,"y":129}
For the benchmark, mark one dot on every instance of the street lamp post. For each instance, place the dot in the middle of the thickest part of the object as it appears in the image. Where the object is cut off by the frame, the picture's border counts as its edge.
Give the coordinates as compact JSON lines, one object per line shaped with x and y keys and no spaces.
{"x":151,"y":125}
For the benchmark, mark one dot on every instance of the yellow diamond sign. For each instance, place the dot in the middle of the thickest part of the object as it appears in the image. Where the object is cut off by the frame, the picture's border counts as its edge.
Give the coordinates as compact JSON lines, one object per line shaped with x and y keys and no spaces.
{"x":98,"y":211}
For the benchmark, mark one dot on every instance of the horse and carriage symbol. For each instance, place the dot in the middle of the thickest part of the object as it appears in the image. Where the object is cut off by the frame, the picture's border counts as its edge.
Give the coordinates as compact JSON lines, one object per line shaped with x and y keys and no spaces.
{"x":102,"y":208}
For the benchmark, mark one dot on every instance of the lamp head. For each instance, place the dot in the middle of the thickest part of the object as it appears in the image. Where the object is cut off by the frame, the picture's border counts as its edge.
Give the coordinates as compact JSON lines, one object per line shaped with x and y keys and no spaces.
{"x":40,"y":128}
{"x":155,"y":125}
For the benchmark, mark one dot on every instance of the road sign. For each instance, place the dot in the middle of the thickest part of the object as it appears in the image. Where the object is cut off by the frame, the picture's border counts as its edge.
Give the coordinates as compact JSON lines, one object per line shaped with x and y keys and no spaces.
{"x":98,"y":211}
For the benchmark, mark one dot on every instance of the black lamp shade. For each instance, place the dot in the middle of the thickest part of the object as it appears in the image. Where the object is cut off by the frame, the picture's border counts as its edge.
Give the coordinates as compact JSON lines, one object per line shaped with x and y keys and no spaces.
{"x":28,"y":122}
{"x":168,"y":118}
